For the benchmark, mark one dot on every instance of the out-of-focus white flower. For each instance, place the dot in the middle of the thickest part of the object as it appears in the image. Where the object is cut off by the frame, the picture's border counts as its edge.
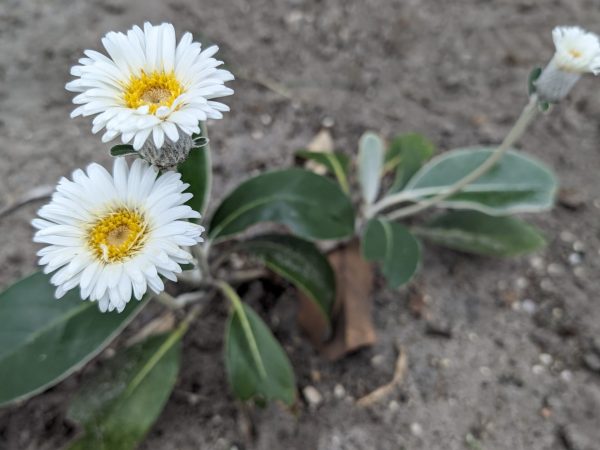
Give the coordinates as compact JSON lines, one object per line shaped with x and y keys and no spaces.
{"x":115,"y":235}
{"x":577,"y":53}
{"x":149,"y":87}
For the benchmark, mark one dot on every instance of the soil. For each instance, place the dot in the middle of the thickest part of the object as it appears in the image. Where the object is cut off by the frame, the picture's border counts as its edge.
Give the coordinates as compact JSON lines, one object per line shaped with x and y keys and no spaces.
{"x":502,"y":354}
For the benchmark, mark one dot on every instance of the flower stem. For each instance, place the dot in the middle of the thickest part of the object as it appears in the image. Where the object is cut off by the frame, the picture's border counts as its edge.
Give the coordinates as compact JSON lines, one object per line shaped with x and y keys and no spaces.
{"x":238,"y":307}
{"x":527,"y":115}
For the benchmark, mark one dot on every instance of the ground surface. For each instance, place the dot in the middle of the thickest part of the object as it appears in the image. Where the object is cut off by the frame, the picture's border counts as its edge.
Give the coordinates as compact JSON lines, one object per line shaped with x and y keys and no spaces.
{"x":519,"y":368}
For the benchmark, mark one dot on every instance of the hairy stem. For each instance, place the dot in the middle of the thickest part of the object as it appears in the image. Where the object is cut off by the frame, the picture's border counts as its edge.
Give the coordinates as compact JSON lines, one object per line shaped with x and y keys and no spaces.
{"x":527,"y":115}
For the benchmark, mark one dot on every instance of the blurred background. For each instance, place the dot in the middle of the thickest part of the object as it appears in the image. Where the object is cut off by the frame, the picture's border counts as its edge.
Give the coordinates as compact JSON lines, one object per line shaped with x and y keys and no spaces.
{"x":502,"y":354}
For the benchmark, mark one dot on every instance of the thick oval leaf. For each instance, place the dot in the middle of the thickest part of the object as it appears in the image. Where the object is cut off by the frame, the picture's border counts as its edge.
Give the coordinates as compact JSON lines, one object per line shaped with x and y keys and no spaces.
{"x":269,"y":378}
{"x":298,"y":261}
{"x":406,"y":154}
{"x":43,"y":340}
{"x":336,"y":164}
{"x":311,"y":205}
{"x":119,"y":403}
{"x":517,"y":183}
{"x":475,"y":232}
{"x":371,"y":156}
{"x":392,"y":245}
{"x":197,"y":172}
{"x":122,"y":150}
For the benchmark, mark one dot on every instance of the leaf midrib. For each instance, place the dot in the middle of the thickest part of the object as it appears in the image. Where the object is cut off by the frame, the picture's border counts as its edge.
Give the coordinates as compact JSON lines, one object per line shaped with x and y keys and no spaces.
{"x":38,"y":333}
{"x":232,"y":217}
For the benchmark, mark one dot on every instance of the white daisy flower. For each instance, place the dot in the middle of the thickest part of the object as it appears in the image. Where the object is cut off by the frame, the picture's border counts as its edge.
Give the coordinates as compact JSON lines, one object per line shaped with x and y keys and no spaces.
{"x":577,"y":53}
{"x":149,"y":87}
{"x":115,"y":235}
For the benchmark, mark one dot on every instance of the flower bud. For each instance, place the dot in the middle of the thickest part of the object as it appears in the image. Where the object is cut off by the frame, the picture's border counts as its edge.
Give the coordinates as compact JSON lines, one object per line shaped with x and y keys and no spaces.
{"x":577,"y":53}
{"x":170,"y":154}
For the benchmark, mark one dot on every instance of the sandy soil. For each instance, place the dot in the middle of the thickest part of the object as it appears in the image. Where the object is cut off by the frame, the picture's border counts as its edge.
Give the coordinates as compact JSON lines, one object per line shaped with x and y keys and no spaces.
{"x":518,"y":366}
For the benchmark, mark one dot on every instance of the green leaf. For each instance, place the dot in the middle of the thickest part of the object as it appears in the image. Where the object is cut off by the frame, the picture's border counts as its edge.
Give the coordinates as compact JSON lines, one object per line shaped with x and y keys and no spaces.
{"x":517,"y":183}
{"x":311,"y":205}
{"x":336,"y":164}
{"x":119,"y":403}
{"x":271,"y":377}
{"x":44,"y":340}
{"x":371,"y":155}
{"x":475,"y":232}
{"x":392,"y":245}
{"x":196,"y":170}
{"x":122,"y":150}
{"x":298,"y":261}
{"x":407,"y":153}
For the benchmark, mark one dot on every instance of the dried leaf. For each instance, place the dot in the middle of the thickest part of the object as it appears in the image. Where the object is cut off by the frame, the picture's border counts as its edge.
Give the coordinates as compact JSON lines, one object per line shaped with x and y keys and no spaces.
{"x":351,"y":315}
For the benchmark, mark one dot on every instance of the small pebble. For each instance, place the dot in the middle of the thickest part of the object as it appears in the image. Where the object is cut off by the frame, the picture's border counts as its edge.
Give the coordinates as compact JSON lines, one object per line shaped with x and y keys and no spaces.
{"x":521,"y":283}
{"x":578,"y":246}
{"x":528,"y":306}
{"x":416,"y":429}
{"x":485,"y":371}
{"x":575,"y":259}
{"x":339,"y":391}
{"x":546,"y":359}
{"x":567,"y":236}
{"x":312,"y":396}
{"x":257,"y":135}
{"x":555,"y":269}
{"x":592,"y":361}
{"x":537,"y":262}
{"x":328,"y":122}
{"x":266,"y":119}
{"x":377,"y":360}
{"x":394,"y":406}
{"x":538,"y":370}
{"x":566,"y":375}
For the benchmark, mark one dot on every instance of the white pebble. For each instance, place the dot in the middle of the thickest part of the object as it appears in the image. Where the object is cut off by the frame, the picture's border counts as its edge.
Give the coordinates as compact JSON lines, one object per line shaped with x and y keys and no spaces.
{"x":555,"y":269}
{"x":339,"y":391}
{"x":546,"y":359}
{"x":567,"y":236}
{"x":578,"y":246}
{"x":522,"y":283}
{"x":485,"y":371}
{"x":529,"y":306}
{"x":312,"y":396}
{"x":394,"y":406}
{"x":377,"y":360}
{"x":416,"y":429}
{"x":538,"y":370}
{"x":266,"y":119}
{"x":328,"y":122}
{"x":575,"y":259}
{"x":537,"y":262}
{"x":566,"y":375}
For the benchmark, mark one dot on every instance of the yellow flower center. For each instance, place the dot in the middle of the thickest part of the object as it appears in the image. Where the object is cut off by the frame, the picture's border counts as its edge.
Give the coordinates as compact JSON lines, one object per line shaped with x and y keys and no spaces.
{"x":155,"y":90}
{"x":575,"y":53}
{"x":117,"y":235}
